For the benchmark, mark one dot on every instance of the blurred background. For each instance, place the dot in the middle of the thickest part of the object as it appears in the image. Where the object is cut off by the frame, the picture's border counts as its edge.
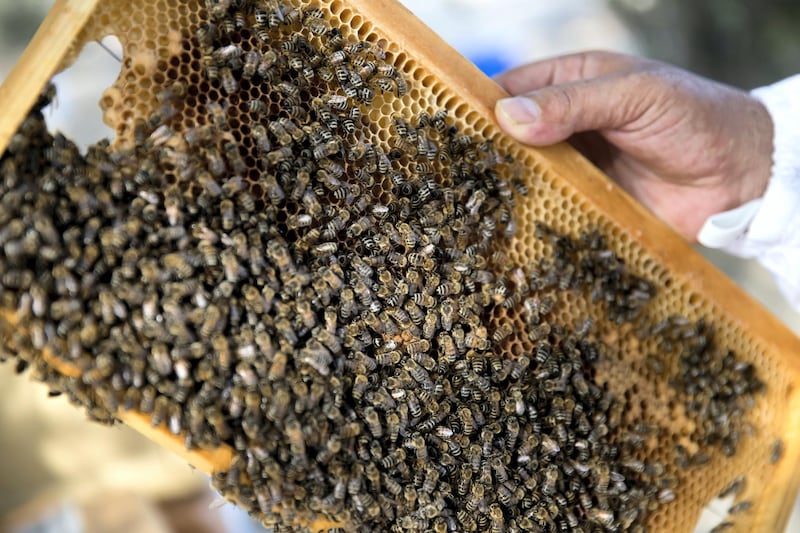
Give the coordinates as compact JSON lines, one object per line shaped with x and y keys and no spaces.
{"x":51,"y":459}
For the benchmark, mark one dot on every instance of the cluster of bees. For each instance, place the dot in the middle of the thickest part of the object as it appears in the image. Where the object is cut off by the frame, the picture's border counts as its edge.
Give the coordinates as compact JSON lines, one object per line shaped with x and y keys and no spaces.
{"x":716,"y":388}
{"x":279,"y":277}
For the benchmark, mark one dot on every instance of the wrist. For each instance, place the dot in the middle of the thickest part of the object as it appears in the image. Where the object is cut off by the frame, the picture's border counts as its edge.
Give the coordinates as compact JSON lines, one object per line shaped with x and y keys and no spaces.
{"x":771,"y":227}
{"x":756,"y":154}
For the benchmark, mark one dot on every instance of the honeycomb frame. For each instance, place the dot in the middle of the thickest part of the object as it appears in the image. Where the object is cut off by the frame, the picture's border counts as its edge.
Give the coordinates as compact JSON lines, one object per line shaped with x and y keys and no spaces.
{"x":564,"y":187}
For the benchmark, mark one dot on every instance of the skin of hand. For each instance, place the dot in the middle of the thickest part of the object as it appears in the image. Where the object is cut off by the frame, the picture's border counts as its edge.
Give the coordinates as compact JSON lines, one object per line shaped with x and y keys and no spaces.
{"x":685,"y":146}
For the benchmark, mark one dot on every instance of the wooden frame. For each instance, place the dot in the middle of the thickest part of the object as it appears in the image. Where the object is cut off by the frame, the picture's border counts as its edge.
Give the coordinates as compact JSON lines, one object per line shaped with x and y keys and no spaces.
{"x":67,"y":19}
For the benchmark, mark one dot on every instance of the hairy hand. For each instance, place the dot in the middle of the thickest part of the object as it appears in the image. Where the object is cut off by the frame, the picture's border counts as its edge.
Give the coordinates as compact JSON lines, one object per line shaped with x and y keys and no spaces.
{"x":685,"y":146}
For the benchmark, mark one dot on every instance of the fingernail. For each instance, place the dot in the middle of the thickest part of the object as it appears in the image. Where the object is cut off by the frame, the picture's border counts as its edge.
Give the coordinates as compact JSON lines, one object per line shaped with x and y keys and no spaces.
{"x":519,"y":109}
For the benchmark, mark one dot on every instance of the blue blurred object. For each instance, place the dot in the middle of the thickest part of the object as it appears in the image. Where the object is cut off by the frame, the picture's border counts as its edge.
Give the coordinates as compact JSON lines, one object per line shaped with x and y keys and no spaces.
{"x":236,"y":520}
{"x":65,"y":518}
{"x":490,"y":64}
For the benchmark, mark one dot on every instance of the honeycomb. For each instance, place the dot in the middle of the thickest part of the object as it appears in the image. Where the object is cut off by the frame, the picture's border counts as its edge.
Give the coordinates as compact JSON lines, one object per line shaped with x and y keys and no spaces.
{"x":166,"y":96}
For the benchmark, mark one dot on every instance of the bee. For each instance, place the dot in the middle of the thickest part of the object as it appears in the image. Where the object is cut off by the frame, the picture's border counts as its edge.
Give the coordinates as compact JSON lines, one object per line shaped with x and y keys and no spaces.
{"x":227,"y":214}
{"x":333,"y":169}
{"x":216,"y":164}
{"x":385,"y":84}
{"x":162,"y":115}
{"x":373,"y":422}
{"x":365,"y":95}
{"x":447,"y":313}
{"x":231,"y":267}
{"x":439,"y":121}
{"x":147,"y":401}
{"x":735,"y":487}
{"x":325,"y":113}
{"x":360,"y":226}
{"x":206,"y":34}
{"x":297,"y":445}
{"x":274,"y":191}
{"x":338,"y":222}
{"x":722,"y":526}
{"x":418,"y":260}
{"x":326,"y":149}
{"x":233,"y":185}
{"x":276,"y":17}
{"x":175,"y":91}
{"x":336,"y":101}
{"x":302,"y":180}
{"x":160,"y":135}
{"x":584,"y":328}
{"x":288,"y":89}
{"x":502,"y":332}
{"x":358,"y":150}
{"x":210,"y":66}
{"x":324,"y":249}
{"x":311,"y":204}
{"x":260,"y":15}
{"x":292,"y":129}
{"x":257,"y":106}
{"x":228,"y":53}
{"x":404,"y":129}
{"x":277,"y":369}
{"x":197,"y":135}
{"x":178,"y":264}
{"x":235,"y":157}
{"x":316,"y":26}
{"x":296,"y":63}
{"x":393,"y":459}
{"x":667,"y":495}
{"x":229,"y":83}
{"x":266,"y":60}
{"x":280,"y":133}
{"x":297,"y":221}
{"x":283,"y":153}
{"x":776,"y":451}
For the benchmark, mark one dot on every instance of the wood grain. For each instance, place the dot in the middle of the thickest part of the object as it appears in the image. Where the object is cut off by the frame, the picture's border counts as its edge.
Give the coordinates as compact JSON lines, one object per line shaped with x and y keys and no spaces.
{"x":53,"y":41}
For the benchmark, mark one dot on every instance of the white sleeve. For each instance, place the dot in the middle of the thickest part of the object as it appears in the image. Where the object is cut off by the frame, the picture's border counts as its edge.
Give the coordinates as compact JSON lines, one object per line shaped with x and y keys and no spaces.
{"x":769,"y":228}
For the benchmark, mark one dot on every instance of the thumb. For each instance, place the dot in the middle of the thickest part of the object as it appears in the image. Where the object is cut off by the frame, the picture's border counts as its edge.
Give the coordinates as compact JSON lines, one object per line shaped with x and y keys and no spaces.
{"x":554,"y":113}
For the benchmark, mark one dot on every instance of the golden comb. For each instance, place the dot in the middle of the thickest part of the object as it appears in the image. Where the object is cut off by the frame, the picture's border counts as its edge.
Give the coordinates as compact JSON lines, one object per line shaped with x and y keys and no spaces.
{"x":565,"y":191}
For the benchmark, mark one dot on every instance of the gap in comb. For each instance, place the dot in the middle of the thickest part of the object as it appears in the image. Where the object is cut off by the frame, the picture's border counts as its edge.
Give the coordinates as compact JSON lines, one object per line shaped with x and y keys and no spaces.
{"x":76,"y":113}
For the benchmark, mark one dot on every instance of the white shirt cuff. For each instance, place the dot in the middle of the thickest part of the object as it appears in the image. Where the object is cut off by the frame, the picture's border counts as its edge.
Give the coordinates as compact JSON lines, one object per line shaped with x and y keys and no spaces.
{"x":769,"y":228}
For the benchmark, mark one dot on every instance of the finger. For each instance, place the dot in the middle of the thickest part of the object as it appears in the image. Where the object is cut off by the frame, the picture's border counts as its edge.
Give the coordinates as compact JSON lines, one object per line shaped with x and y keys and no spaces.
{"x":554,"y":113}
{"x":563,"y":69}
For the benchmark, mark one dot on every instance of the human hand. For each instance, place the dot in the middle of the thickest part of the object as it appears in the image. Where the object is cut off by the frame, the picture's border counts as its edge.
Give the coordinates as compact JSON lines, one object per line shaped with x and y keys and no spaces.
{"x":685,"y":146}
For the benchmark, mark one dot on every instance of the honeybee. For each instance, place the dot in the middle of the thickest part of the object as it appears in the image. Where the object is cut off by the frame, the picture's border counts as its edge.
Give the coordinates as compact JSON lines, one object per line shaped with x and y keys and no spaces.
{"x":279,"y":131}
{"x":206,"y":34}
{"x":175,"y":91}
{"x":227,"y":53}
{"x":326,"y":149}
{"x":384,"y":83}
{"x":251,"y":61}
{"x":216,"y":164}
{"x":292,"y":129}
{"x":324,"y":249}
{"x":229,"y":83}
{"x":267,"y":60}
{"x":160,"y":135}
{"x":197,"y":135}
{"x":283,"y":153}
{"x":257,"y":106}
{"x":235,"y":157}
{"x":288,"y":89}
{"x":776,"y":451}
{"x":734,"y":487}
